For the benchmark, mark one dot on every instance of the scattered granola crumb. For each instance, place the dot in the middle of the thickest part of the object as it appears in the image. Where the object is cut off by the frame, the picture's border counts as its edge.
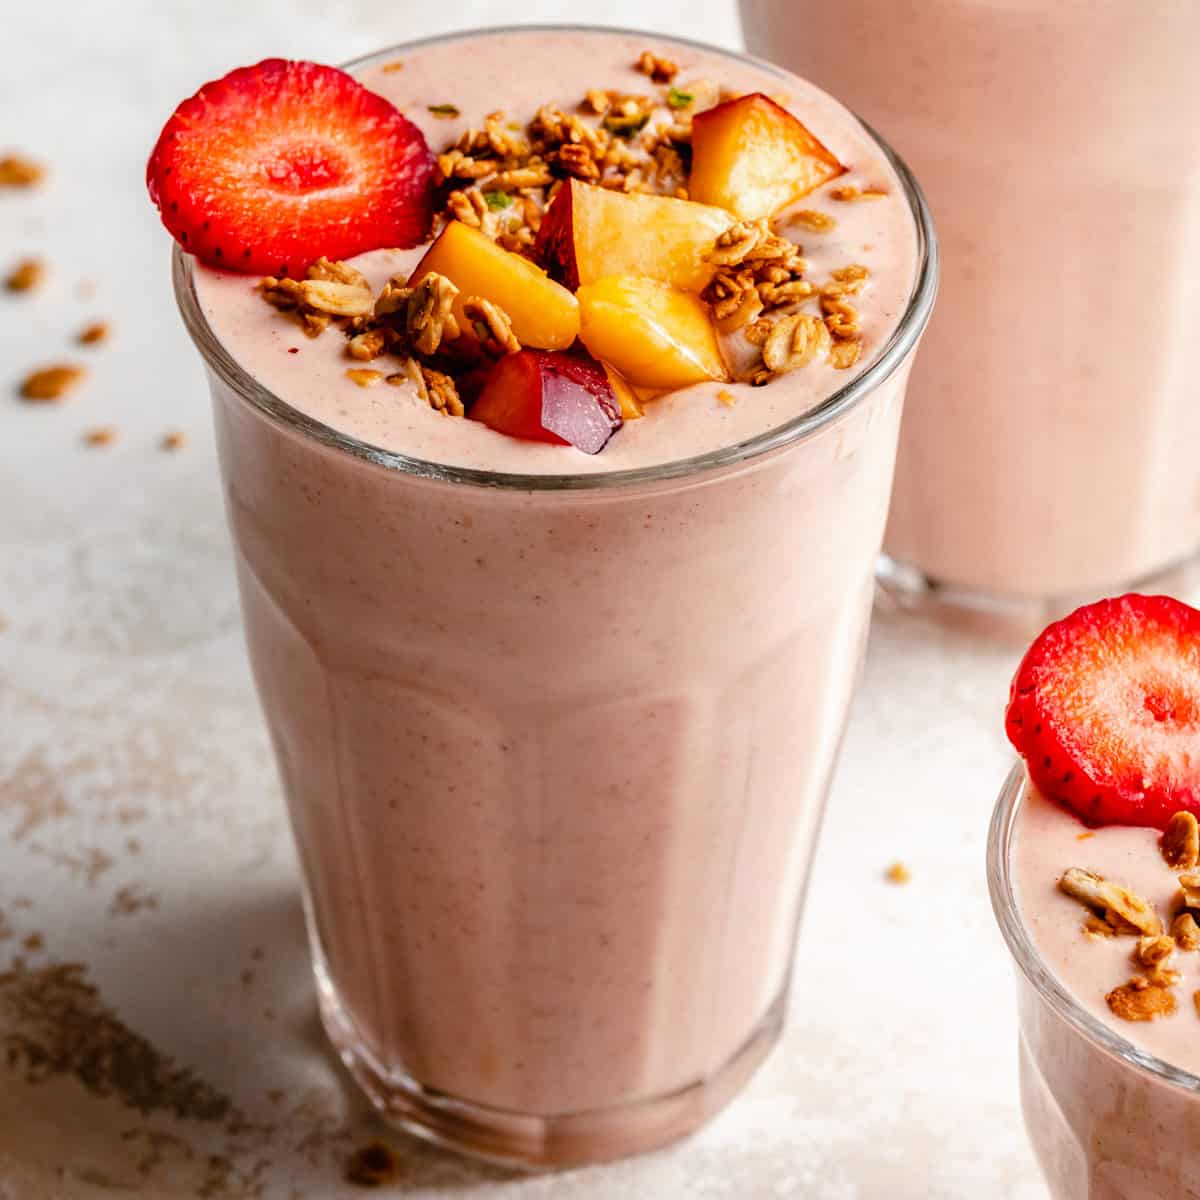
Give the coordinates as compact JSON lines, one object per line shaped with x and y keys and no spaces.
{"x":843,"y":355}
{"x":1083,"y":837}
{"x":1140,"y":1000}
{"x":175,"y":439}
{"x":1097,"y":927}
{"x":18,"y":171}
{"x":1151,"y":951}
{"x":34,"y":942}
{"x":1196,"y":1002}
{"x":25,"y":275}
{"x":372,"y":1165}
{"x":898,"y":873}
{"x":397,"y":64}
{"x":47,"y":385}
{"x":810,"y":218}
{"x":726,"y":397}
{"x":660,"y":70}
{"x":364,"y":377}
{"x":105,"y":435}
{"x":94,"y":334}
{"x":849,"y":193}
{"x":1186,"y":932}
{"x":444,"y":110}
{"x":1180,"y":842}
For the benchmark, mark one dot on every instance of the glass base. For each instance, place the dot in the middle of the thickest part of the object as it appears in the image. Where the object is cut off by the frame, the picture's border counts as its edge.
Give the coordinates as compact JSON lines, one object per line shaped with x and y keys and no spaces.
{"x":901,"y":588}
{"x":542,"y":1142}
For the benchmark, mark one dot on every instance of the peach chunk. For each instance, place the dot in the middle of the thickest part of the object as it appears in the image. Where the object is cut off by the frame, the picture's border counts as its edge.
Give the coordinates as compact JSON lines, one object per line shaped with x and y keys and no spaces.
{"x":627,"y":398}
{"x":543,"y":313}
{"x":655,"y":335}
{"x":590,"y":233}
{"x":752,"y":157}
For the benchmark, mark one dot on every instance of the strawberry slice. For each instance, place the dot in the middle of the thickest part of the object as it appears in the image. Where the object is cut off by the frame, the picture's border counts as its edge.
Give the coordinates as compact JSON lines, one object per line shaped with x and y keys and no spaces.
{"x":274,"y":165}
{"x":1105,"y":710}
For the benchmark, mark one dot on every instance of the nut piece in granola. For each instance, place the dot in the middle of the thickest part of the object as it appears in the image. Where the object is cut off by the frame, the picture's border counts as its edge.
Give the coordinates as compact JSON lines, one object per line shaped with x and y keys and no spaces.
{"x":658,"y":68}
{"x":491,"y":326}
{"x":18,"y":171}
{"x":753,"y":157}
{"x":1186,"y":932}
{"x":1180,"y":843}
{"x":25,"y":275}
{"x":50,"y":384}
{"x":1141,"y":1000}
{"x":1120,"y":907}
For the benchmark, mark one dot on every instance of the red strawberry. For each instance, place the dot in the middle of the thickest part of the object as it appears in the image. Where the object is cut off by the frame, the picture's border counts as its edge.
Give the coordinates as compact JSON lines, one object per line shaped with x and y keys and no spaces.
{"x":1105,"y":710}
{"x":277,"y":164}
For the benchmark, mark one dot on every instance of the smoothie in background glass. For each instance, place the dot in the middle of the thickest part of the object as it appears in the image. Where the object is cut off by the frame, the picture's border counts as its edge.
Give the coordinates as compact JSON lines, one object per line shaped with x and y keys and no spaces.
{"x":556,"y":728}
{"x":1051,"y":442}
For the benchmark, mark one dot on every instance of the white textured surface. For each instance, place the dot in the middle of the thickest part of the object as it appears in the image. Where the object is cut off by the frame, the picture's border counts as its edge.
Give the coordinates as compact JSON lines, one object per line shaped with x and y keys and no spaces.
{"x":132,"y":755}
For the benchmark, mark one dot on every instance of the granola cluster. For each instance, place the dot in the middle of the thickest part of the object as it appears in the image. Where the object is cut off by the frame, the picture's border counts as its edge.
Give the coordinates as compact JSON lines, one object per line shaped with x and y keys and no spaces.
{"x":1115,"y":911}
{"x":415,"y":325}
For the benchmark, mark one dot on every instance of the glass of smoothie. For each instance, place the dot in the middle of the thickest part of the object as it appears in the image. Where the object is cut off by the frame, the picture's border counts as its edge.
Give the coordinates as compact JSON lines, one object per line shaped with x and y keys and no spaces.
{"x":1101,"y":915}
{"x":556,"y":686}
{"x":1051,"y":443}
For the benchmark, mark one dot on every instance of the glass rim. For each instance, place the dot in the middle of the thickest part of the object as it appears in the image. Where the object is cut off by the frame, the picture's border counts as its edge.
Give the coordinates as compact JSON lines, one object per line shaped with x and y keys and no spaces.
{"x":841,"y":402}
{"x":1034,"y":967}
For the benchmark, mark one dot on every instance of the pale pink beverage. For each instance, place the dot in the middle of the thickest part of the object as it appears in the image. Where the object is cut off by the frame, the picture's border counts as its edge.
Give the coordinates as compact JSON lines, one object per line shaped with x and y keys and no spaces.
{"x":556,"y":729}
{"x":1112,"y":1105}
{"x":1051,"y":445}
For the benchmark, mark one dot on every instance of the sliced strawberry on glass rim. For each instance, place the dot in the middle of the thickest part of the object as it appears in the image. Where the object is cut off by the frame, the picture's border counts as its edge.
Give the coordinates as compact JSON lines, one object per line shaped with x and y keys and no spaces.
{"x":1105,"y":710}
{"x":275,"y":165}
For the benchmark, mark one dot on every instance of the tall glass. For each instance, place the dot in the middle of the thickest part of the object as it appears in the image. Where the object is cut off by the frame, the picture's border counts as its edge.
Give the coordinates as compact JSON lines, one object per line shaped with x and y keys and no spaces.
{"x":1051,"y":444}
{"x":1107,"y":1121}
{"x":556,"y":748}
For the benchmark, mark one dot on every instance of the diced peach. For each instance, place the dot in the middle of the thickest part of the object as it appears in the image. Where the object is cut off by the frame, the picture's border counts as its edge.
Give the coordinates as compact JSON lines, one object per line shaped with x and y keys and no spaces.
{"x":543,"y":313}
{"x":549,"y":396}
{"x":590,"y":233}
{"x":655,"y":335}
{"x":752,"y":157}
{"x":631,"y":406}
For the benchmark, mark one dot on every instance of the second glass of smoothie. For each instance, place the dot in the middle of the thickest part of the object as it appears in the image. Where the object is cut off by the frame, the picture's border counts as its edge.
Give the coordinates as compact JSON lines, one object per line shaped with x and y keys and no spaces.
{"x":1051,"y":444}
{"x":556,"y":730}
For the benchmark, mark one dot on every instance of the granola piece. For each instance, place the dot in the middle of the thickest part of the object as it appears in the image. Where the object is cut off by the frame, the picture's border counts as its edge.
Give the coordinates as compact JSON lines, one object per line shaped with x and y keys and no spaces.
{"x":1141,"y":1000}
{"x":397,"y":64}
{"x":470,"y":206}
{"x":1109,"y":899}
{"x":372,"y":1165}
{"x":394,"y":297}
{"x":854,"y":274}
{"x":660,"y":69}
{"x":47,"y":385}
{"x":1186,"y":932}
{"x":337,"y":299}
{"x":18,"y":171}
{"x":535,"y":173}
{"x":1189,"y":892}
{"x":429,"y":319}
{"x":105,"y":435}
{"x":794,"y":342}
{"x":736,"y":244}
{"x":844,"y":355}
{"x":283,"y":294}
{"x":25,"y":275}
{"x":455,"y":164}
{"x":94,"y":334}
{"x":757,"y":332}
{"x":841,"y":317}
{"x":364,"y":376}
{"x":173,"y":440}
{"x":848,"y":193}
{"x":503,"y":141}
{"x":552,"y":128}
{"x":367,"y":345}
{"x":1094,"y":926}
{"x":775,"y":295}
{"x":1180,"y":842}
{"x":447,"y":111}
{"x":810,"y":218}
{"x":337,"y":272}
{"x":597,"y":101}
{"x":727,"y":398}
{"x":577,"y":160}
{"x":1152,"y":951}
{"x":492,"y":326}
{"x":442,"y":392}
{"x":898,"y":873}
{"x":1196,"y":1002}
{"x":733,"y":298}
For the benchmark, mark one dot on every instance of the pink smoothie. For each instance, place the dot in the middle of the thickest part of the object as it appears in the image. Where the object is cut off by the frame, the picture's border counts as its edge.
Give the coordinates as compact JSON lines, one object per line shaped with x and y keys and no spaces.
{"x":1104,"y":1128}
{"x":556,"y":758}
{"x":1051,"y":444}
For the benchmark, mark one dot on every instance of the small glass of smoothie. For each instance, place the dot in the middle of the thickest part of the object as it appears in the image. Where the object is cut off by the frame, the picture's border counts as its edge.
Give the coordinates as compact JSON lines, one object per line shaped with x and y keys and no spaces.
{"x":1093,"y":864}
{"x":1051,"y":443}
{"x":555,"y":534}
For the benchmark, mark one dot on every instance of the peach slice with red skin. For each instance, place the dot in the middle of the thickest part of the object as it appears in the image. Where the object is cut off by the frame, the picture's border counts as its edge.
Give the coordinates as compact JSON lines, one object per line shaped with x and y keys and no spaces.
{"x":549,"y":396}
{"x":753,"y":157}
{"x":590,"y":233}
{"x":656,"y":336}
{"x":543,"y":313}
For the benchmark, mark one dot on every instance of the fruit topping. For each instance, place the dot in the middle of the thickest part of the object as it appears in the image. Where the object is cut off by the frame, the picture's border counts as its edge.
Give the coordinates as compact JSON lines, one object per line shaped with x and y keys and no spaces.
{"x":752,"y":157}
{"x":655,"y":335}
{"x":589,"y":233}
{"x":278,"y":164}
{"x":542,"y":313}
{"x":549,"y":396}
{"x":1105,"y":710}
{"x":627,"y":398}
